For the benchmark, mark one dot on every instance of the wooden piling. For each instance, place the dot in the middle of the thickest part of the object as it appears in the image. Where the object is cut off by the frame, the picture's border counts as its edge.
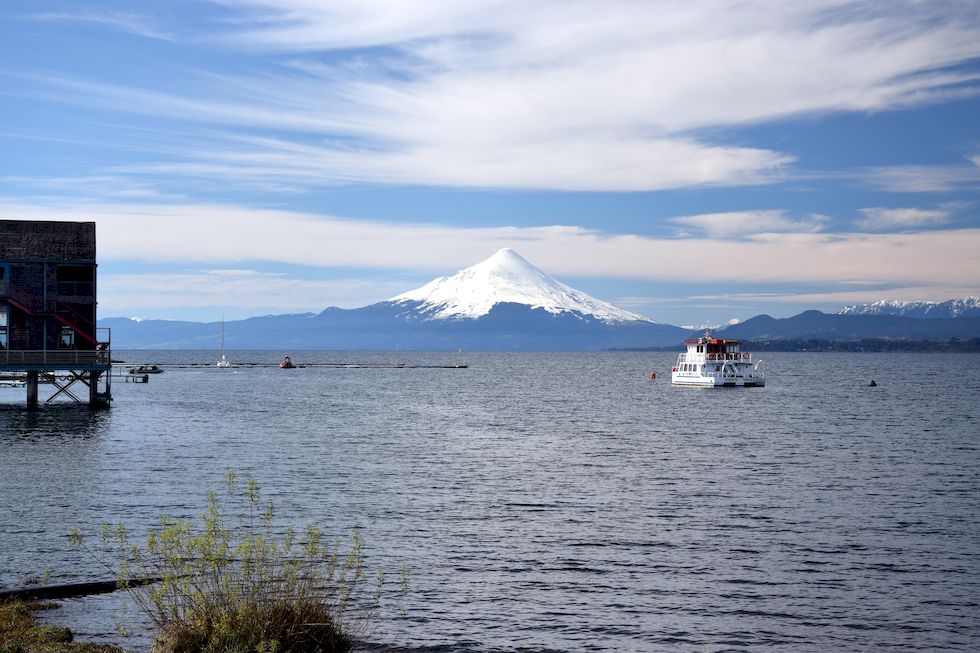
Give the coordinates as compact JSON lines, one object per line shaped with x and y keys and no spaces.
{"x":31,"y":389}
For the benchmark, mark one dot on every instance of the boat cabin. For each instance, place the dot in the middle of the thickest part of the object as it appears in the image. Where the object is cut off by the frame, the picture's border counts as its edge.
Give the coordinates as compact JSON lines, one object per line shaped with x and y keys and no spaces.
{"x":712,"y":349}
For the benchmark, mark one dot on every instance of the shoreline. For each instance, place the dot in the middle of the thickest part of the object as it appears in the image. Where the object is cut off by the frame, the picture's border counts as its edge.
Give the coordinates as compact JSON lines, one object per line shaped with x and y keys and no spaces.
{"x":20,"y":631}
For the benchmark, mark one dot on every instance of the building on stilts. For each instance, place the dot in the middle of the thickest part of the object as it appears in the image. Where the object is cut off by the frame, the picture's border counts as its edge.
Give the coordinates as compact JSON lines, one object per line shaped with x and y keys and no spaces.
{"x":48,"y":332}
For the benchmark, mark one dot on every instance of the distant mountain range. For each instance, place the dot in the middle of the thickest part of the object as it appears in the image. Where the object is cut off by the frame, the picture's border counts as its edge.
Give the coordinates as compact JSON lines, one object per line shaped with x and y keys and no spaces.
{"x":828,"y":326}
{"x":502,"y":303}
{"x":505,"y":303}
{"x":953,"y":308}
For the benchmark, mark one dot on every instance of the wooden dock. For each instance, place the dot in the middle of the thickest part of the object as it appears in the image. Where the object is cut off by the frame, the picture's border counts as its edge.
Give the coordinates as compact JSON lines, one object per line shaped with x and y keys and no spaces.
{"x":383,"y":366}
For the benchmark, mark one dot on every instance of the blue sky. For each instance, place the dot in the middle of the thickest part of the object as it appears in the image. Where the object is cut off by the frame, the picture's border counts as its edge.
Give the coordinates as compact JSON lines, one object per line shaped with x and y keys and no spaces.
{"x":693,"y":162}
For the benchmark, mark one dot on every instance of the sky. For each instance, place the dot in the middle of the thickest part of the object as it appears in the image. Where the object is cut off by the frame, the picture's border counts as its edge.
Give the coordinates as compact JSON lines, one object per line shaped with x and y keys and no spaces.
{"x":694,"y":162}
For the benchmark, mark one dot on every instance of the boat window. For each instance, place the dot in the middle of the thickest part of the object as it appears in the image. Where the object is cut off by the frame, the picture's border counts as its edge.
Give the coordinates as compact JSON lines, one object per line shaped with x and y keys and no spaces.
{"x":3,"y":326}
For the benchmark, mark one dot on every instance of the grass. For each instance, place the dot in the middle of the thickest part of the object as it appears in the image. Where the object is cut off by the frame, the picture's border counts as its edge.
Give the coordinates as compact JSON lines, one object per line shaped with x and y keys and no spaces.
{"x":20,"y":633}
{"x":236,"y":585}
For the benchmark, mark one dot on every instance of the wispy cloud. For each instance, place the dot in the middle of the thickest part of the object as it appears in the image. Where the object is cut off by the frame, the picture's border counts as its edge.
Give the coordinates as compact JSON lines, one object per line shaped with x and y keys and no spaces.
{"x":735,"y":224}
{"x":235,"y":292}
{"x":132,"y":23}
{"x":884,"y":218}
{"x":924,"y":178}
{"x":845,"y":297}
{"x":111,"y":187}
{"x":190,"y":233}
{"x":581,"y":95}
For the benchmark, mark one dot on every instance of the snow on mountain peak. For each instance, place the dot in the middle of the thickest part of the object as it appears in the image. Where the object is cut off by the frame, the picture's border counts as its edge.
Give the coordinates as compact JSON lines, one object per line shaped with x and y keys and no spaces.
{"x":506,"y":277}
{"x":965,"y":307}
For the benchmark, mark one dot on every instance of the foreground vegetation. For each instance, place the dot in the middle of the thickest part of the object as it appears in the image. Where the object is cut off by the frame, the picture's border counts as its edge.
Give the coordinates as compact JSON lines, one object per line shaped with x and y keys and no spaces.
{"x":237,"y":585}
{"x":20,"y":633}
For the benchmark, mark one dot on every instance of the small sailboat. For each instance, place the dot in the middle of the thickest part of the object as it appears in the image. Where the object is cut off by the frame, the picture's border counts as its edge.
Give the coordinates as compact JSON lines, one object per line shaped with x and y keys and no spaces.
{"x":223,"y":362}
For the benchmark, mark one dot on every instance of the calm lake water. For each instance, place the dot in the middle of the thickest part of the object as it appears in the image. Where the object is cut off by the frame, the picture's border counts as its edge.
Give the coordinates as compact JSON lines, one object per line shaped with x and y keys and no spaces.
{"x":553,"y":502}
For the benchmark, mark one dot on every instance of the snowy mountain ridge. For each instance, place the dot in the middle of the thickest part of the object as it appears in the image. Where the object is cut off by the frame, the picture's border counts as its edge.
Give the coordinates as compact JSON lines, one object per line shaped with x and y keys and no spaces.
{"x":506,"y":277}
{"x":953,"y":308}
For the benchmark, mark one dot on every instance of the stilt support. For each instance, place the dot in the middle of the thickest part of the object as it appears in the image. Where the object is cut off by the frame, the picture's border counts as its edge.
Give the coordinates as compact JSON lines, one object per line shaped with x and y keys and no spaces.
{"x":93,"y":389}
{"x":98,"y":399}
{"x":31,"y":389}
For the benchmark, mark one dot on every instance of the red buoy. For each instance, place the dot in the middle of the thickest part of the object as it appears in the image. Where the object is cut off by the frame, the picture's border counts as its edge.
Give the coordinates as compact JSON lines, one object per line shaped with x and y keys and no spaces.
{"x":653,"y":375}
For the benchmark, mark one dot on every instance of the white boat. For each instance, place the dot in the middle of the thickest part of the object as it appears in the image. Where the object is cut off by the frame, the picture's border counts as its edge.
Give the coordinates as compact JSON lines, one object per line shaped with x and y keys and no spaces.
{"x":223,"y":362}
{"x":714,"y":362}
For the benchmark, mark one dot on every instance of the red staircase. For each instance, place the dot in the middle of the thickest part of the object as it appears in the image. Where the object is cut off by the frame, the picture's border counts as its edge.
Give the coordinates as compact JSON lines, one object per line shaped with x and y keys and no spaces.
{"x":58,"y":310}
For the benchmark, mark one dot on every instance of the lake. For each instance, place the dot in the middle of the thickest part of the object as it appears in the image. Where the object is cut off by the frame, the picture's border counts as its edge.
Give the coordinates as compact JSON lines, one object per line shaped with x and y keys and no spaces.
{"x":551,"y":501}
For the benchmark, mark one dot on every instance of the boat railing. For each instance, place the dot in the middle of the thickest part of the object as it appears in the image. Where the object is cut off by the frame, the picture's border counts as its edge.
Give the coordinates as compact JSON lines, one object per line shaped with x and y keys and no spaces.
{"x":731,"y":356}
{"x":743,"y":356}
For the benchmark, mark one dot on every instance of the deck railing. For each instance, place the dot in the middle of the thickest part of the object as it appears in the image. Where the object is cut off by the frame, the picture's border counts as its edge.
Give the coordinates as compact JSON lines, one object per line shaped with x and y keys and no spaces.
{"x":700,"y":358}
{"x":61,"y":358}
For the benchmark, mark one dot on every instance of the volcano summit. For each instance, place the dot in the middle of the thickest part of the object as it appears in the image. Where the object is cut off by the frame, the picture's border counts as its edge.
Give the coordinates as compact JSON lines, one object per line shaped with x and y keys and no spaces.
{"x":506,"y":278}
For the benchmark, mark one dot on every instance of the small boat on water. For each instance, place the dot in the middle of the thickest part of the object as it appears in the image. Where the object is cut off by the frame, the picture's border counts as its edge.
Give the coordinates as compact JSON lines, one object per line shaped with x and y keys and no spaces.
{"x":223,"y":362}
{"x":145,"y":369}
{"x":713,"y":362}
{"x":286,"y":364}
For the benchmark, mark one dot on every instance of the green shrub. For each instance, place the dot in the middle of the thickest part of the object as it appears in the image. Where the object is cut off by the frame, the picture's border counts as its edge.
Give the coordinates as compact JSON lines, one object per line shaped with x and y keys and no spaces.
{"x":245,"y":588}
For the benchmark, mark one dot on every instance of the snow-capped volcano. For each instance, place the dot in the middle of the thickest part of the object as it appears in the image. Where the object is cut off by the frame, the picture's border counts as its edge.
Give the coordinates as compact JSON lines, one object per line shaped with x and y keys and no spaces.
{"x":506,"y":277}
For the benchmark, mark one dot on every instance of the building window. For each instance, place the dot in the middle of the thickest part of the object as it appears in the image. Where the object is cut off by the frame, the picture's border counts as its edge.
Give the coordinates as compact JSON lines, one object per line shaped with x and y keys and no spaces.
{"x":76,"y":280}
{"x":67,"y":338}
